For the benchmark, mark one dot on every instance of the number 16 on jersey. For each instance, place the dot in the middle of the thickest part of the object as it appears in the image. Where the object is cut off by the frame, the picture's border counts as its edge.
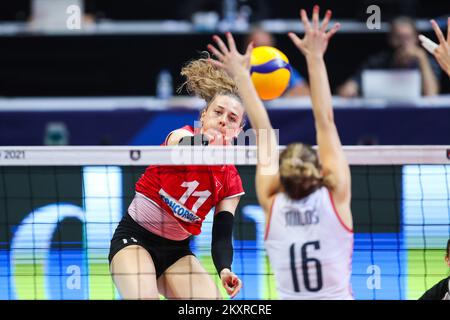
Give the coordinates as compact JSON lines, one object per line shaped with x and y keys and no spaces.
{"x":308,"y":267}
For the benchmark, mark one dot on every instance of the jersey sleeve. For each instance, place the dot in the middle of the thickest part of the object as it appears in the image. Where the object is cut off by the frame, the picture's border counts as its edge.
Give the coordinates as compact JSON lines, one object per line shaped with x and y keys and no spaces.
{"x":233,"y":184}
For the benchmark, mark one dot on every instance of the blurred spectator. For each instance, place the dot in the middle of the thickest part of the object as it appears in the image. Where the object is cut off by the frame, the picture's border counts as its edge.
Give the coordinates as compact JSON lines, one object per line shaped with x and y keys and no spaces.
{"x":297,"y":85}
{"x":404,"y":53}
{"x":441,"y":290}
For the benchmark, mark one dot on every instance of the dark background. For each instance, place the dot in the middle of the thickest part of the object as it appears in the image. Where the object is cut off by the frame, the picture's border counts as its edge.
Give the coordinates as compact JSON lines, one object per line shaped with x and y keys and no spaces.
{"x":128,"y":64}
{"x":19,"y":10}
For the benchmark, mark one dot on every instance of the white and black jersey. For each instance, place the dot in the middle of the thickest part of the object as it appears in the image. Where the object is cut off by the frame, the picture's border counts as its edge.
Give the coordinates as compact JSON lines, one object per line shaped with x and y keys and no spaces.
{"x":309,"y":248}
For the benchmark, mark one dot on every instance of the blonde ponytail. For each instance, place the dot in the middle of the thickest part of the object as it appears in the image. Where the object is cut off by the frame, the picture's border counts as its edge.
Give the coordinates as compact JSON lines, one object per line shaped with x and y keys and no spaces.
{"x":206,"y":81}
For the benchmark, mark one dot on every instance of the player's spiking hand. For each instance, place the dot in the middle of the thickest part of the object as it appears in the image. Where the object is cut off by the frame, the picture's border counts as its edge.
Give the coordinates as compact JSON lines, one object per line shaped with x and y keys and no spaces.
{"x":230,"y":282}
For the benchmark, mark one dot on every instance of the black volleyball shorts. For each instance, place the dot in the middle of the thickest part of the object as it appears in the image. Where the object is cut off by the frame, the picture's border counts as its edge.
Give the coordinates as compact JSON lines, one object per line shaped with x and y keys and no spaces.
{"x":164,"y":252}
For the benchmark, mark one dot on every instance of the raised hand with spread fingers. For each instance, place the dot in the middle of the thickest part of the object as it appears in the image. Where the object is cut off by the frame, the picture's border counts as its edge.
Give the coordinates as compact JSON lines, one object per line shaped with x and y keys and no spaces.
{"x":442,"y":52}
{"x":316,"y":39}
{"x":229,"y":58}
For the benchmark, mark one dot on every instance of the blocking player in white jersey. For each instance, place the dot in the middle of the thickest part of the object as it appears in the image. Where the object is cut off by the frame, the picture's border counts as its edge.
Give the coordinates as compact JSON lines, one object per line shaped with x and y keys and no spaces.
{"x":309,"y":234}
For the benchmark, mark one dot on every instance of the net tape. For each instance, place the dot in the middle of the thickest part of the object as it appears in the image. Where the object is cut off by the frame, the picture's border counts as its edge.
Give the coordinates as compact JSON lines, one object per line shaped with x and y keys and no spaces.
{"x":209,"y":155}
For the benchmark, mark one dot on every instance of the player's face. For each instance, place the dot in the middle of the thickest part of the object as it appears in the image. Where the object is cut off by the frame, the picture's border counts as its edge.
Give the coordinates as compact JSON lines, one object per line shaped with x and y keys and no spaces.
{"x":447,"y":260}
{"x":223,"y":118}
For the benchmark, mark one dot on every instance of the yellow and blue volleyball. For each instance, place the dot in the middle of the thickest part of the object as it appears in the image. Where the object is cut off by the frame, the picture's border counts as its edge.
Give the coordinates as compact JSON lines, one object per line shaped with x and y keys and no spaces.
{"x":270,"y":71}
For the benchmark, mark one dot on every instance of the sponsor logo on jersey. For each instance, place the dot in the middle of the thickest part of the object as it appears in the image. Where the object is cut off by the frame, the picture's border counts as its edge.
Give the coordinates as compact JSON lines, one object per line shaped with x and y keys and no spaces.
{"x":179,"y":211}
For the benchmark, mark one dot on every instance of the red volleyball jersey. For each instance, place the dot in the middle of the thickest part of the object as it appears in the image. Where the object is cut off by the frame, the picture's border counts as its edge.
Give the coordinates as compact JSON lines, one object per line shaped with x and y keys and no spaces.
{"x":188,"y":193}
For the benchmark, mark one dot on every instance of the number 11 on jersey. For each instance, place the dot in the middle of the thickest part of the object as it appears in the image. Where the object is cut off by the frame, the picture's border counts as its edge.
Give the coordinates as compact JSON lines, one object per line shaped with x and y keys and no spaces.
{"x":202,"y":195}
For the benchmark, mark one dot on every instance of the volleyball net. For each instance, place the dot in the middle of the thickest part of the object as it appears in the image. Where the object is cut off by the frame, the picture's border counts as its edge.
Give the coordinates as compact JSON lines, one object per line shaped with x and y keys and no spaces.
{"x":59,"y":208}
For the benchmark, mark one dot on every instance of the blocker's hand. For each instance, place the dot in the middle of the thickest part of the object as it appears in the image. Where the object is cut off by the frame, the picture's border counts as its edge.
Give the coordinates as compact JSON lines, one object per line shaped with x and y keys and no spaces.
{"x":442,"y":52}
{"x":228,"y":57}
{"x":315,"y":41}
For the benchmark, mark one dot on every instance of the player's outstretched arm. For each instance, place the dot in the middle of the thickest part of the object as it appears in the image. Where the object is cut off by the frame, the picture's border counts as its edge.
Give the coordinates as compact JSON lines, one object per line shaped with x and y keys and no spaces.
{"x":237,"y":65}
{"x":222,"y":245}
{"x":313,"y":46}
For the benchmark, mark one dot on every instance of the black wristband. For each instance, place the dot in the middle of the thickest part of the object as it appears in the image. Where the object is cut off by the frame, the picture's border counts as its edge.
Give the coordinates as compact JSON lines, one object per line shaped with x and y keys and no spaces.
{"x":221,"y":245}
{"x":196,"y":140}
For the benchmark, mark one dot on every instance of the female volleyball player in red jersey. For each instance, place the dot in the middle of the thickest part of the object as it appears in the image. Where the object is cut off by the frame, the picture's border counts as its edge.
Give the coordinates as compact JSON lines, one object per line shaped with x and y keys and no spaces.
{"x":150,"y":252}
{"x":309,"y":236}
